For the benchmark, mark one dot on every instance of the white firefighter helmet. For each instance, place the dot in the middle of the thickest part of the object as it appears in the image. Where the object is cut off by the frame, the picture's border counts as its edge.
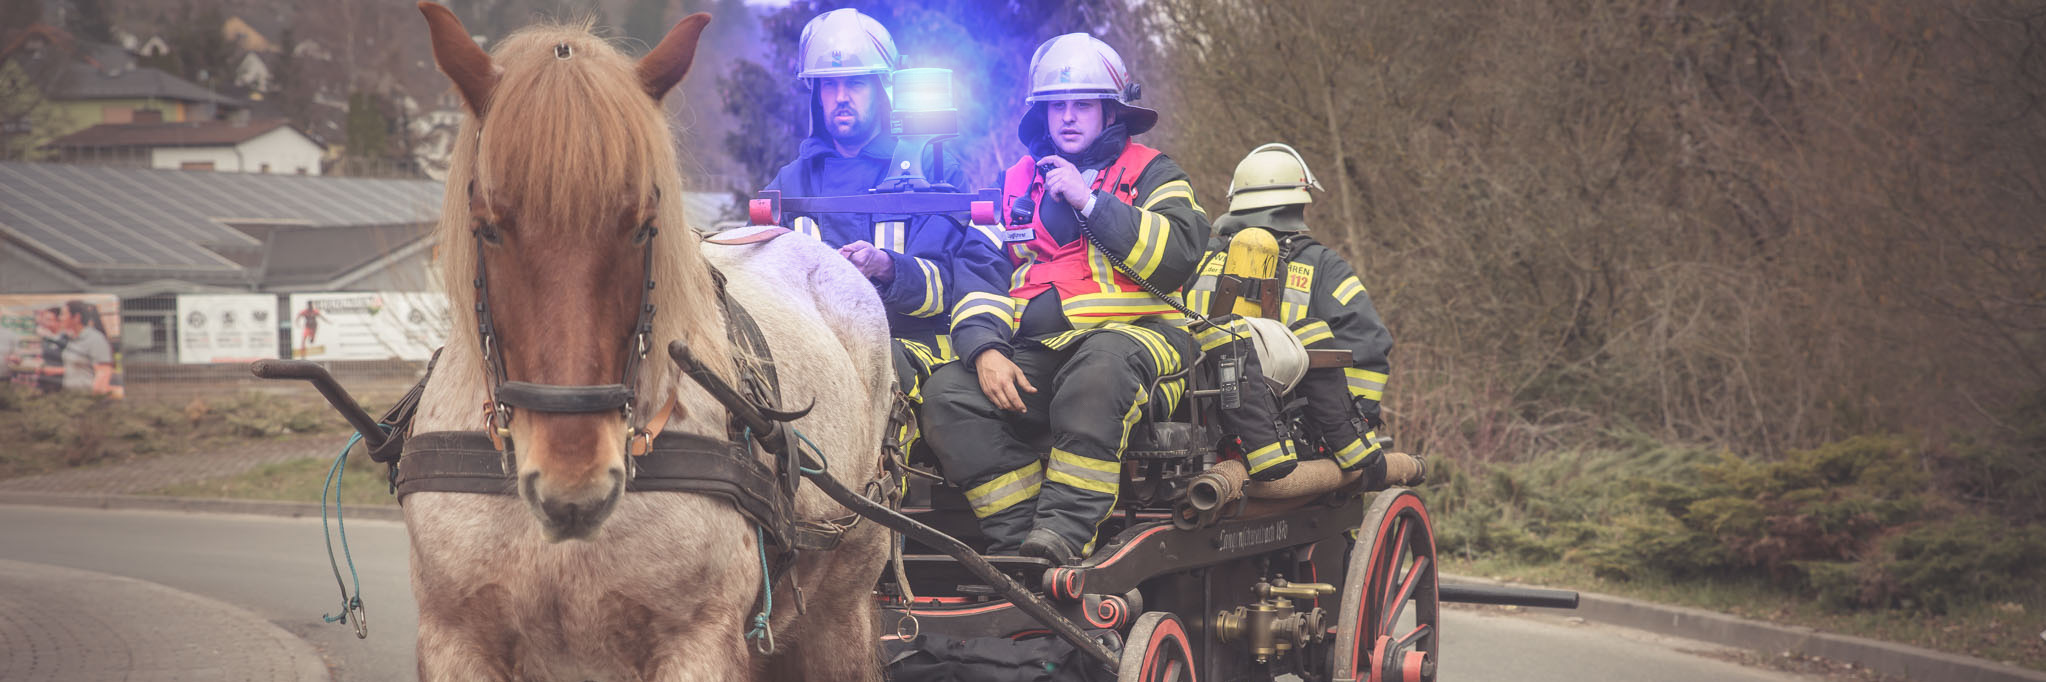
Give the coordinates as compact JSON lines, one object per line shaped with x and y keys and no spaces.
{"x":1080,"y":66}
{"x":844,"y":42}
{"x":1272,"y":175}
{"x":1279,"y":353}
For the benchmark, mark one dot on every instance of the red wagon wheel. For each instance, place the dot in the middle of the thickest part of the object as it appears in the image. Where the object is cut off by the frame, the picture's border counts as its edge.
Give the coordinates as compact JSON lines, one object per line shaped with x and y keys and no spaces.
{"x":1157,"y":651}
{"x":1389,"y":627}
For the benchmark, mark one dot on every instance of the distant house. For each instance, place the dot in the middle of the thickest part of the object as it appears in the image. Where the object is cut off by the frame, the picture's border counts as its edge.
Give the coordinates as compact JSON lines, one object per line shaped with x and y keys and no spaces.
{"x":265,"y":146}
{"x":104,"y":84}
{"x":152,"y":46}
{"x":253,"y":72}
{"x":247,"y":36}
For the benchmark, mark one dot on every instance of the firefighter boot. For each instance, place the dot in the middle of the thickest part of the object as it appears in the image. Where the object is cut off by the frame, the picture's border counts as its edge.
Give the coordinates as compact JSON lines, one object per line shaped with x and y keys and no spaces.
{"x":1048,"y":546}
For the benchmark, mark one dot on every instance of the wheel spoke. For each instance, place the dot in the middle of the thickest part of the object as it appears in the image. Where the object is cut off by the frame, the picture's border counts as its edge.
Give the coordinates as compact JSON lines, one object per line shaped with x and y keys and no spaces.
{"x":1394,"y":558}
{"x":1413,"y":636}
{"x":1397,"y":605}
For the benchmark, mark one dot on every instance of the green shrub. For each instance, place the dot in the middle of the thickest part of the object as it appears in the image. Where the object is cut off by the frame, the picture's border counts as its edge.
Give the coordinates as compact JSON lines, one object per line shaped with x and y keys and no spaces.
{"x":1964,"y":559}
{"x":1857,"y":523}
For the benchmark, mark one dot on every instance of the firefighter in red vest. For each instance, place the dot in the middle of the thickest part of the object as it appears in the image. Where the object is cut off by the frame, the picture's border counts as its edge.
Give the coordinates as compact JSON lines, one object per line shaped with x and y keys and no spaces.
{"x":1098,"y":226}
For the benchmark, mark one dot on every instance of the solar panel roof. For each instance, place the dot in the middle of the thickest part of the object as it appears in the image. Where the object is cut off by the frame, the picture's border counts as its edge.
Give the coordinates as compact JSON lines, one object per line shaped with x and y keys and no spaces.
{"x":99,"y":217}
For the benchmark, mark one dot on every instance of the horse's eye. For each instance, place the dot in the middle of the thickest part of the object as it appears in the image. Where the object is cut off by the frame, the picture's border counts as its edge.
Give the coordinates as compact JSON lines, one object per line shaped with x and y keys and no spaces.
{"x":645,"y":232}
{"x":487,"y":231}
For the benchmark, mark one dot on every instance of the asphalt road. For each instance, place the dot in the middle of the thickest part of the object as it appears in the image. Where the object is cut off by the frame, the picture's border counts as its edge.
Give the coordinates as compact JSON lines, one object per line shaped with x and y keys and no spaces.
{"x":277,"y":568}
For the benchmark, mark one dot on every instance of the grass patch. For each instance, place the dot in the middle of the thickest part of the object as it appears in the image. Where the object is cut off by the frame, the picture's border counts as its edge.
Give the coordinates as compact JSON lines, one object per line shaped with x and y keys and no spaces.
{"x":299,"y":480}
{"x":44,"y":433}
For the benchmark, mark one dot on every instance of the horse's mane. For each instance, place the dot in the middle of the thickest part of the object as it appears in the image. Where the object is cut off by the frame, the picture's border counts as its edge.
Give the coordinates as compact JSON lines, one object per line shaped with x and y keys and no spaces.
{"x":583,"y":133}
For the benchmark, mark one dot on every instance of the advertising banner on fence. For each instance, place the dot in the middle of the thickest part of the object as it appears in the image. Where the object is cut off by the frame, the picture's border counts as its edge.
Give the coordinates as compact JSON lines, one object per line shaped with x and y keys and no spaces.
{"x":61,"y":342}
{"x":368,"y":325}
{"x":226,"y":327}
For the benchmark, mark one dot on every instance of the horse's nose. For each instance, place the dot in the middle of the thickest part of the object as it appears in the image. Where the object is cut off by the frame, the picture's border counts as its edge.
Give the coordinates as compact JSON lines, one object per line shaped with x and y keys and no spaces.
{"x":575,"y":513}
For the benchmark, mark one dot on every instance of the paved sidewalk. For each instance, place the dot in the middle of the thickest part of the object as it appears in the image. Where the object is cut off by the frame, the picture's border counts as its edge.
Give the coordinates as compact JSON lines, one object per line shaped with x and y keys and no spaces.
{"x":154,"y":473}
{"x":67,"y":624}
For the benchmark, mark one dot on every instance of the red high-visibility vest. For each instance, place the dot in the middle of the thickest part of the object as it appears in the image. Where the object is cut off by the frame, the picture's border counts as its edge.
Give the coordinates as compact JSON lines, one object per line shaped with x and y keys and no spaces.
{"x":1091,"y":290}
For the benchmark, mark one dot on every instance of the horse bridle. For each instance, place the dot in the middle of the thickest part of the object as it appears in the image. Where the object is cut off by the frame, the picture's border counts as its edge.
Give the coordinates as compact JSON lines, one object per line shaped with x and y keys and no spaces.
{"x":555,"y":398}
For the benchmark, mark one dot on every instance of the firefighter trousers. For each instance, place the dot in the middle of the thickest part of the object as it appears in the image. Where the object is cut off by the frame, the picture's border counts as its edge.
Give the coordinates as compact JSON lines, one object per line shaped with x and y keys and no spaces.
{"x":1092,"y":386}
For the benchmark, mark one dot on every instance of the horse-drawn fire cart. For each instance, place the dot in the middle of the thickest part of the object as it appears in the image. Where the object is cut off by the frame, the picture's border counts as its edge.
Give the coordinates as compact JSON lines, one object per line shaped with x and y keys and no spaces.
{"x":1202,"y":575}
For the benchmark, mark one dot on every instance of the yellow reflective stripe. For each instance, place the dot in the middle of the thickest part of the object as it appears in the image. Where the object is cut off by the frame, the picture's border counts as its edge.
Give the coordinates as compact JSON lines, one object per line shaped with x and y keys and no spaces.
{"x":1141,"y":336}
{"x":1065,"y":338}
{"x":924,"y":354}
{"x":1211,"y":338}
{"x":1149,"y":252}
{"x":945,"y":352}
{"x":1314,"y":332}
{"x":1087,"y":311}
{"x":1104,"y":273}
{"x":1197,"y":300}
{"x":1201,"y":293}
{"x":993,"y":234}
{"x":1171,"y":391}
{"x":1176,"y":188}
{"x":1026,"y":258}
{"x":1264,"y":457}
{"x":1164,"y":359}
{"x":808,"y":227}
{"x":1365,"y":383}
{"x":1006,"y":490}
{"x":1085,"y":473}
{"x":983,"y":303}
{"x":972,"y":298}
{"x":934,"y":289}
{"x":1355,"y":452}
{"x":1000,"y":312}
{"x":901,"y":238}
{"x":1130,"y":417}
{"x":1348,"y":290}
{"x":1088,"y":304}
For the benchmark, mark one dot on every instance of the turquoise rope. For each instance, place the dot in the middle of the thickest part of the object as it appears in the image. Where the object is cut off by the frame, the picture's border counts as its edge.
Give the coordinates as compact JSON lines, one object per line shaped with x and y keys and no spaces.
{"x":349,"y":602}
{"x":760,"y":620}
{"x":814,"y":450}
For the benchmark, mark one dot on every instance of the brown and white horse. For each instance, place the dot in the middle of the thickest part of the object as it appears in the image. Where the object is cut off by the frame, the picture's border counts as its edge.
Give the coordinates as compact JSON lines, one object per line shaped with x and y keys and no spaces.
{"x":565,"y":156}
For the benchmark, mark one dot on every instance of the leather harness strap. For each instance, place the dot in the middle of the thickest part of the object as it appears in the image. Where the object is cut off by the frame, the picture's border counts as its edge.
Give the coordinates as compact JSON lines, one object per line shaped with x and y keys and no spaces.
{"x":726,"y":468}
{"x":467,"y":462}
{"x":643,"y":442}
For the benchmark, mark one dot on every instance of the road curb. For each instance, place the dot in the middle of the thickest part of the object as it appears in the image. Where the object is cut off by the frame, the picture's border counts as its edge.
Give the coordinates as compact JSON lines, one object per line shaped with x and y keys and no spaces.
{"x":1888,"y":658}
{"x":198,"y":505}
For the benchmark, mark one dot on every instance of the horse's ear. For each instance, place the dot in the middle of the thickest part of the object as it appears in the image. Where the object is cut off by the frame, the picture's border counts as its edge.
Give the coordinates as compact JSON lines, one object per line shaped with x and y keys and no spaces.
{"x":669,"y":61}
{"x":459,"y":57}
